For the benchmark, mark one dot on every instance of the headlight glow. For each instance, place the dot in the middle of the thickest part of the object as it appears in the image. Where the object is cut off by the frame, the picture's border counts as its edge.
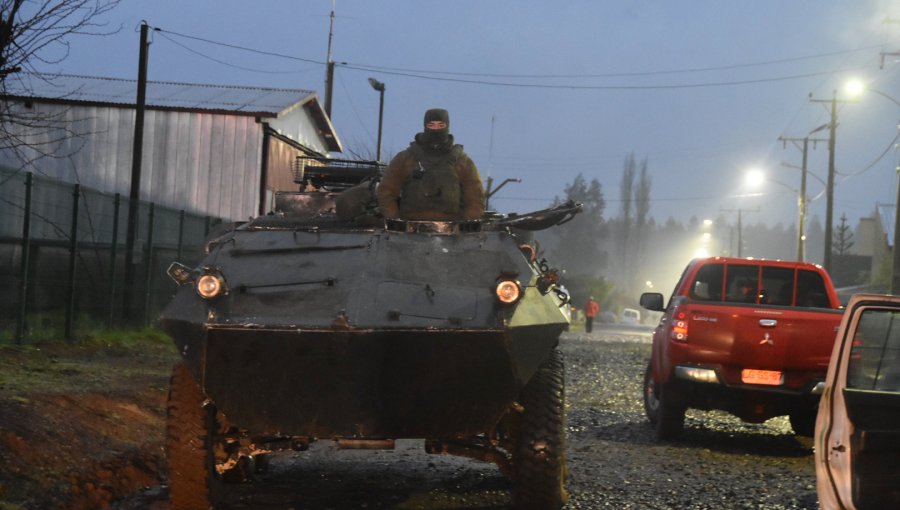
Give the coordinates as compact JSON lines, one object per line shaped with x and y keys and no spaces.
{"x":210,"y":286}
{"x":508,"y":291}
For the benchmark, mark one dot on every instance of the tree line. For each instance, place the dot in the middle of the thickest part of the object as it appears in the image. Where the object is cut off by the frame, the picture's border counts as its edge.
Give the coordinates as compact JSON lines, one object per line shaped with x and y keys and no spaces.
{"x":615,"y":257}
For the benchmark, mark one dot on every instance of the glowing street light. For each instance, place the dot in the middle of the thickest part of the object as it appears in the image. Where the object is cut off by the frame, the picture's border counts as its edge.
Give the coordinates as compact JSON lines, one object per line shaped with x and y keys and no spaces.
{"x":703,"y":248}
{"x":856,"y":88}
{"x":756,"y":177}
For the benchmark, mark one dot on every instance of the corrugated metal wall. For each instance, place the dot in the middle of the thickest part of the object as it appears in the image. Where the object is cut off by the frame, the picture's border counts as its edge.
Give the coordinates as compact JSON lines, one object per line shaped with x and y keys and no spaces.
{"x":204,"y":163}
{"x":282,"y":159}
{"x":297,"y":124}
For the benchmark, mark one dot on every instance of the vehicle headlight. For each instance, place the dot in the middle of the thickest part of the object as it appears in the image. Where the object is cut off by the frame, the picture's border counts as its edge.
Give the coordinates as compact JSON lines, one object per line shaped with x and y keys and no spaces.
{"x":508,"y":291}
{"x":210,"y":285}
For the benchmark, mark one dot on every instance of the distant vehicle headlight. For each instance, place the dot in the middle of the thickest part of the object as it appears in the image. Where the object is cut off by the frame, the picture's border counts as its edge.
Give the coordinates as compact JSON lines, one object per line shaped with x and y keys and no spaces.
{"x":508,"y":291}
{"x":210,"y":285}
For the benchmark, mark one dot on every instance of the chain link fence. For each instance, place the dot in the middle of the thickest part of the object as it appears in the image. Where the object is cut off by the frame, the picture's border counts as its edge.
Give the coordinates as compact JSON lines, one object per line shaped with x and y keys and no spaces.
{"x":64,"y":250}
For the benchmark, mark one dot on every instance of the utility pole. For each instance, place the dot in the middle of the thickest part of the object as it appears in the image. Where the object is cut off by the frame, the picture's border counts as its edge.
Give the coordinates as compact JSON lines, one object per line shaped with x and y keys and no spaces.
{"x":740,"y":213}
{"x":136,"y":158}
{"x":829,"y":186}
{"x":802,"y":199}
{"x":329,"y":69}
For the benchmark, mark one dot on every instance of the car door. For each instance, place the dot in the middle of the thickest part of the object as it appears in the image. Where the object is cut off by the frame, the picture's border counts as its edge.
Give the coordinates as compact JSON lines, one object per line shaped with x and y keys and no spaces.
{"x":858,"y":427}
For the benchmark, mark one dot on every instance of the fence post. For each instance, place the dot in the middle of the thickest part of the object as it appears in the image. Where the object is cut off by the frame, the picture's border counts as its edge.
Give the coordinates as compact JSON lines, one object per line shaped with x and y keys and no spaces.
{"x":73,"y":253}
{"x":113,"y":248}
{"x":26,"y":252}
{"x":180,"y":235}
{"x":148,"y":269}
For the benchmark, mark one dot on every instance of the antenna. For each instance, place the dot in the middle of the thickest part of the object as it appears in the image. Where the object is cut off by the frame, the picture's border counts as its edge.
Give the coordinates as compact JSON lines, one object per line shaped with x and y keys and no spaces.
{"x":491,"y":149}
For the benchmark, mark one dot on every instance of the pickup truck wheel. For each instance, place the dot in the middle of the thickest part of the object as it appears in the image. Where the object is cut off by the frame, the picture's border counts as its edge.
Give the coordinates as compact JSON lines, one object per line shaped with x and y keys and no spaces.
{"x":539,"y":458}
{"x":803,"y":422}
{"x":663,"y":408}
{"x":193,"y":478}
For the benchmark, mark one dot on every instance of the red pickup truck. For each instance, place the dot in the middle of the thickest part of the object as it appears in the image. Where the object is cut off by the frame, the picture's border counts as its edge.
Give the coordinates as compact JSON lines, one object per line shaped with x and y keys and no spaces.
{"x":752,"y":337}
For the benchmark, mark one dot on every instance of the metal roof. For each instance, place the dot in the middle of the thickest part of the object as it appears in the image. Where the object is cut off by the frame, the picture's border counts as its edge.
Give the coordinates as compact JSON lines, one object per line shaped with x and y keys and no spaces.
{"x":188,"y":96}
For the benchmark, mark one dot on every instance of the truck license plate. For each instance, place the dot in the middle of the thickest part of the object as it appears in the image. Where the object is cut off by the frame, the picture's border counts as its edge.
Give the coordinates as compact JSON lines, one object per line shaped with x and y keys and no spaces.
{"x":769,"y":377}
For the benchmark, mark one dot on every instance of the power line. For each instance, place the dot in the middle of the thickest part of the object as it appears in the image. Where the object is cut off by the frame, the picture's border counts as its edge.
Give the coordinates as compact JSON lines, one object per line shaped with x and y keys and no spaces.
{"x":242,"y":48}
{"x":618,"y":75}
{"x":872,"y":164}
{"x":616,"y":200}
{"x":601,"y":87}
{"x":443,"y":75}
{"x":235,"y":66}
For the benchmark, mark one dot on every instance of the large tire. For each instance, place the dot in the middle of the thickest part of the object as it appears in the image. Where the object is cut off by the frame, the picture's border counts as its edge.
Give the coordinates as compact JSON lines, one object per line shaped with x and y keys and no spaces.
{"x":539,"y":458}
{"x":193,"y":479}
{"x":663,"y":407}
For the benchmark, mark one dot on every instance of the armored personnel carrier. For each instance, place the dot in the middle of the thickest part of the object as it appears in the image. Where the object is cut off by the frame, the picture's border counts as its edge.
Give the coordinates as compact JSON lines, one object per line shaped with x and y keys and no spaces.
{"x":302,"y":325}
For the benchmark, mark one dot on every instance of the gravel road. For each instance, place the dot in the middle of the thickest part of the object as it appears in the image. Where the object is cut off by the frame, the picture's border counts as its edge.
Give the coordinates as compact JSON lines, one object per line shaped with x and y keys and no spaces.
{"x":614,"y":462}
{"x":719,"y":463}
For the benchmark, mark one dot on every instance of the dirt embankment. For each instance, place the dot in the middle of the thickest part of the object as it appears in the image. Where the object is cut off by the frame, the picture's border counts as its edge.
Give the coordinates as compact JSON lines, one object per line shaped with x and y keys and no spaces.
{"x":80,"y":424}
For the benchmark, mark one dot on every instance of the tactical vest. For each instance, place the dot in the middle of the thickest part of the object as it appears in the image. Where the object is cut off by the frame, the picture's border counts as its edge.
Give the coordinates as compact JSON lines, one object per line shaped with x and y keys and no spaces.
{"x":433,"y":184}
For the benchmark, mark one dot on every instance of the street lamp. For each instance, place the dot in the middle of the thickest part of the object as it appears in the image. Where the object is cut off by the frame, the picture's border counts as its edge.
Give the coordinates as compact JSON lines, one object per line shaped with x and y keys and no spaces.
{"x":704,"y":247}
{"x":856,"y":87}
{"x":803,"y":201}
{"x":756,"y":177}
{"x":804,"y":198}
{"x":377,"y":85}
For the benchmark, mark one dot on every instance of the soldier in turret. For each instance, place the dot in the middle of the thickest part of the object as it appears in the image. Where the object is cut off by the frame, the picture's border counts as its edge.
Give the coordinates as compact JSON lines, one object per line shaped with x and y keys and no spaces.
{"x":433,"y":179}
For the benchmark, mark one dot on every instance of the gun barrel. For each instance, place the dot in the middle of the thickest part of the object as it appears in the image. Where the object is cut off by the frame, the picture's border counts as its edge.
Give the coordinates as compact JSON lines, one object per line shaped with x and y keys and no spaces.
{"x":333,"y":174}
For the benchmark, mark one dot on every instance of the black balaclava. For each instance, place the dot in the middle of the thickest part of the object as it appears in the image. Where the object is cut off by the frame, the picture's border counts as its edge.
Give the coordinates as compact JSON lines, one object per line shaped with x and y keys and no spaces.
{"x":437,"y":135}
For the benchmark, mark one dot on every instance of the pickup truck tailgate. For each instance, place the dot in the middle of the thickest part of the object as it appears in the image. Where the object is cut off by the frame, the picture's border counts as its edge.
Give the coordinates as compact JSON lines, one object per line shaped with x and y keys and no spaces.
{"x":795,"y":342}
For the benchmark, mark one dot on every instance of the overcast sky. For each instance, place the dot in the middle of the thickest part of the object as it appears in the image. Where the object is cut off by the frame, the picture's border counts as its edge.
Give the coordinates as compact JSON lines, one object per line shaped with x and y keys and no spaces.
{"x":545,"y":90}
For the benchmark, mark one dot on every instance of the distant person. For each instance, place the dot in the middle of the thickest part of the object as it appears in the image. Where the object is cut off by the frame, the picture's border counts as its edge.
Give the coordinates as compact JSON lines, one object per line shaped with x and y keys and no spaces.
{"x":433,"y":179}
{"x":591,"y":309}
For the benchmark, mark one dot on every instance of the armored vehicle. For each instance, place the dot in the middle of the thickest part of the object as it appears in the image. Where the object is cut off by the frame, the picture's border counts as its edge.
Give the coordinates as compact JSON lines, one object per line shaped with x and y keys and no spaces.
{"x":302,"y":325}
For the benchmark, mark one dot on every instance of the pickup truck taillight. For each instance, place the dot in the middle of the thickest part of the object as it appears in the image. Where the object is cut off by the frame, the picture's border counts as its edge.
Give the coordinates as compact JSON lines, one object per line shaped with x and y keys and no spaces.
{"x":679,"y":326}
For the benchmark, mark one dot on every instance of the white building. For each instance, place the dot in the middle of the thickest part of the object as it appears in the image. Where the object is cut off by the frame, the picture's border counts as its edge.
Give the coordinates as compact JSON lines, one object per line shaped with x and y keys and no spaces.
{"x":212,"y":150}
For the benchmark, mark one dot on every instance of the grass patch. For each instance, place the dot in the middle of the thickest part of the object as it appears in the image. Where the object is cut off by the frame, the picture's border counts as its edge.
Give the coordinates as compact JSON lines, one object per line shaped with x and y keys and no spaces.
{"x":47,"y":328}
{"x":126,"y":337}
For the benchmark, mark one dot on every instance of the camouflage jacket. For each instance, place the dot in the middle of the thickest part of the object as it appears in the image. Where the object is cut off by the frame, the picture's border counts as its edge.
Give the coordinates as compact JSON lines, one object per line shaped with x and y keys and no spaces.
{"x":421,"y":184}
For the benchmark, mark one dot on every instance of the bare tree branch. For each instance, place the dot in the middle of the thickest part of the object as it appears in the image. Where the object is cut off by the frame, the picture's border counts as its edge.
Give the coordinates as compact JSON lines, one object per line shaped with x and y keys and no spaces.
{"x":37,"y":32}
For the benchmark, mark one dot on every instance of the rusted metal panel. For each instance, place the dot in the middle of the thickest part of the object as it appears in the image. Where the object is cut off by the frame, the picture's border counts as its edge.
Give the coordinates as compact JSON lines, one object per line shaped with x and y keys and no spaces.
{"x":361,"y":384}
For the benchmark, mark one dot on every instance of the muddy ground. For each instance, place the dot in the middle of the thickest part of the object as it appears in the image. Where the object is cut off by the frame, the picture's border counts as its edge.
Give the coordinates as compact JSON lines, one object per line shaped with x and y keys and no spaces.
{"x":81,"y":425}
{"x":82,"y":428}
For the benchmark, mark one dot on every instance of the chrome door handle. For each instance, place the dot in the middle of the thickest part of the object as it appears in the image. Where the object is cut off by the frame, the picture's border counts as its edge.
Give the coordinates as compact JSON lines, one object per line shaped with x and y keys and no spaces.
{"x":768,"y":323}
